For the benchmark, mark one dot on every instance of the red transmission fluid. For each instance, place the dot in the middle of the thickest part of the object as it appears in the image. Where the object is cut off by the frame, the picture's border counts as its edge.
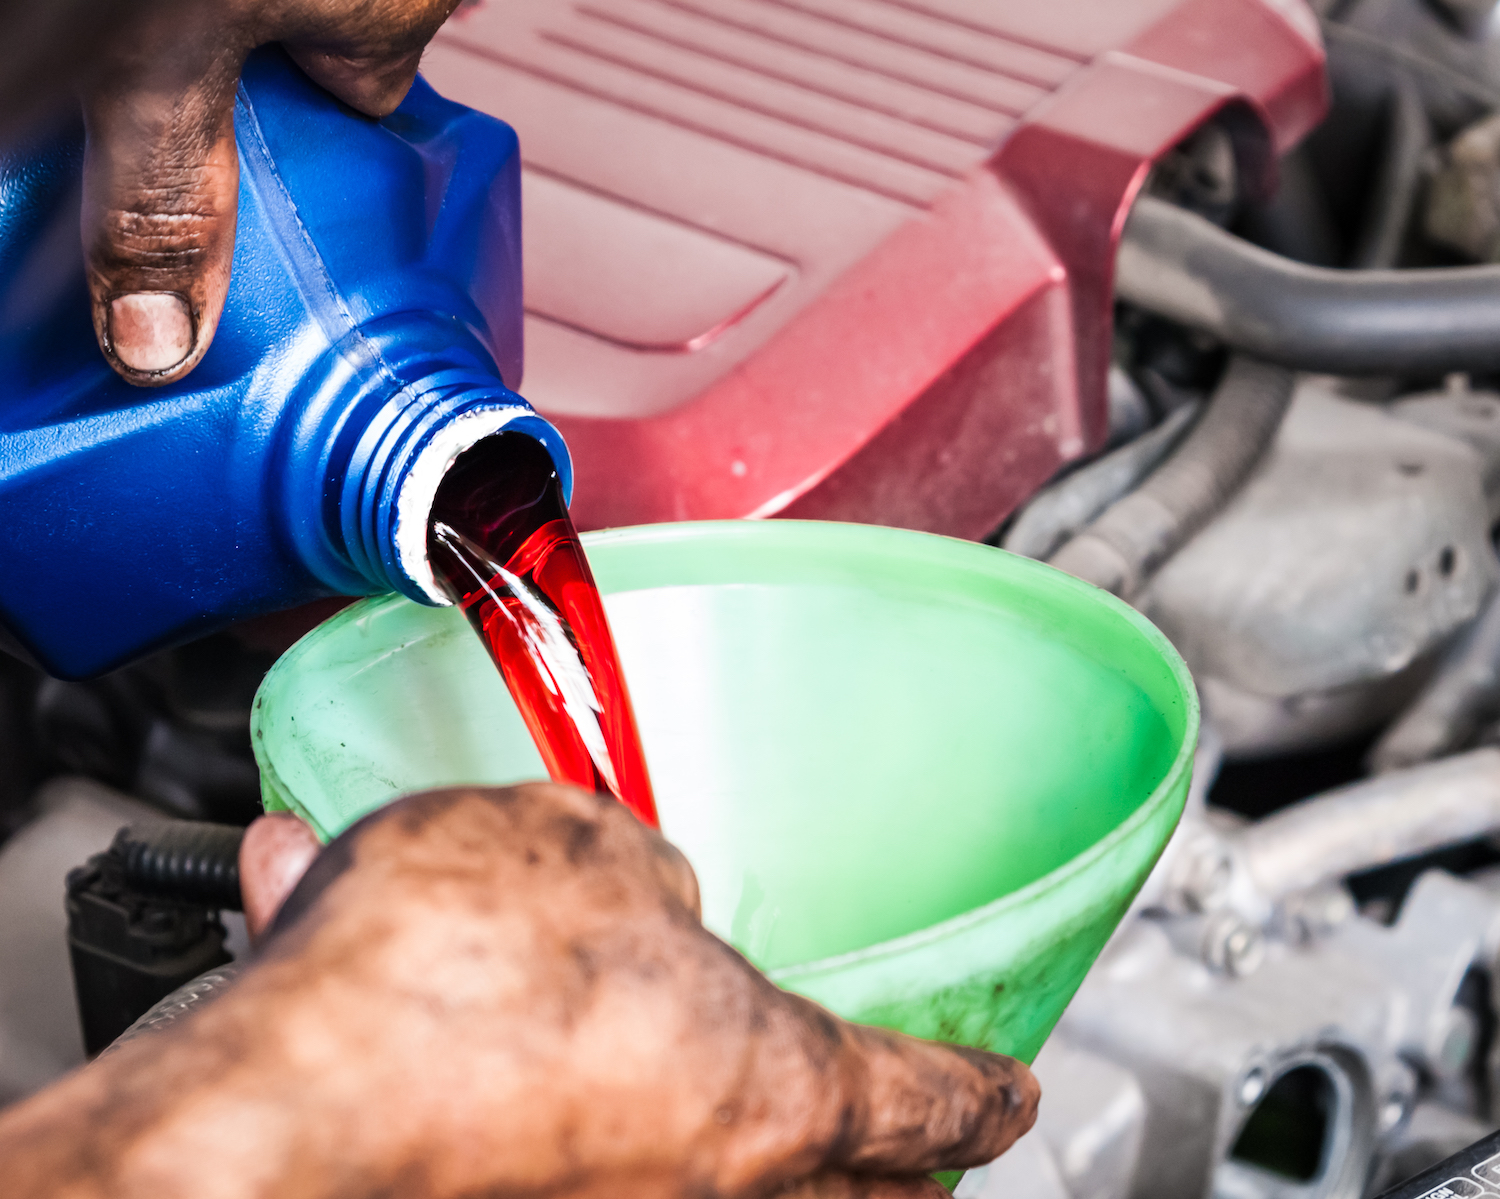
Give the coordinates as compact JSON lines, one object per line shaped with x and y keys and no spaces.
{"x":502,"y":543}
{"x":847,"y":259}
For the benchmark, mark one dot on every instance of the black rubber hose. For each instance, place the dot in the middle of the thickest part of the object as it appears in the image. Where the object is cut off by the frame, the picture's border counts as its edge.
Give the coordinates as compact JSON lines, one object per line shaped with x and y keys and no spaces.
{"x":187,"y":860}
{"x":1408,"y":139}
{"x":1126,"y":545}
{"x":1187,"y":269}
{"x":1062,"y":511}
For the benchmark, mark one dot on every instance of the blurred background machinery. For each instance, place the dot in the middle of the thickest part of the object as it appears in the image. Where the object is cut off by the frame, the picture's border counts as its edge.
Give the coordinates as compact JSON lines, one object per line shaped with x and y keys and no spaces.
{"x":1284,"y":448}
{"x":1304,"y":1002}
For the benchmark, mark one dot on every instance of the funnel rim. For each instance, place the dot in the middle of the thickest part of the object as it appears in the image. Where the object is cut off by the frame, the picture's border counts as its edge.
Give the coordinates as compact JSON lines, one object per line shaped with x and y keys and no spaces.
{"x":1058,"y":876}
{"x":995,"y":560}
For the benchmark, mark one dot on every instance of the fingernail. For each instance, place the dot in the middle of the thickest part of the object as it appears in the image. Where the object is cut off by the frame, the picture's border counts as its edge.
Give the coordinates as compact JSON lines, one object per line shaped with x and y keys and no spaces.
{"x":150,"y":330}
{"x":275,"y":854}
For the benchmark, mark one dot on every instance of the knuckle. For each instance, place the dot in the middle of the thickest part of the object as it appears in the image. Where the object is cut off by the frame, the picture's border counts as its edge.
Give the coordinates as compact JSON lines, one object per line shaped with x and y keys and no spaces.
{"x":154,"y":235}
{"x":162,"y":231}
{"x":161,"y":203}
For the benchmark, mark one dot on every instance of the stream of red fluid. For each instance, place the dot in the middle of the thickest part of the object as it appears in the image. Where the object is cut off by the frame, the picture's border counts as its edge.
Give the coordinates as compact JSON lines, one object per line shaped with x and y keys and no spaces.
{"x":502,"y":544}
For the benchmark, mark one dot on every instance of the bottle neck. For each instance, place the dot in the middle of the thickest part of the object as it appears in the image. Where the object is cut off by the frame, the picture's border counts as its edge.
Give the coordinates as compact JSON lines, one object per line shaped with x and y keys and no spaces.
{"x":405,"y":503}
{"x":370,"y":447}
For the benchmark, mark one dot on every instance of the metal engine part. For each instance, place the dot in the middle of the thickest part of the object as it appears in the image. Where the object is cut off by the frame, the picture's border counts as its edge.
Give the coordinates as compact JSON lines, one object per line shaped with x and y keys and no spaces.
{"x":1463,"y":203}
{"x":1210,"y":1050}
{"x":1311,"y":608}
{"x":1087,"y":1139}
{"x":1249,"y":1035}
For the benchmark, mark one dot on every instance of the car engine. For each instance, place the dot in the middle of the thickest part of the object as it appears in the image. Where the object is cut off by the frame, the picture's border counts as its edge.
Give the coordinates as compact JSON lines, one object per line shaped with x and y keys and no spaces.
{"x":1263,"y":408}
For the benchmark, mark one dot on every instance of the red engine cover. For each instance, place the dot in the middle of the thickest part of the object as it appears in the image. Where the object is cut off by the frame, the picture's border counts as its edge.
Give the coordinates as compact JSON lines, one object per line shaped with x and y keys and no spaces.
{"x":843,"y":259}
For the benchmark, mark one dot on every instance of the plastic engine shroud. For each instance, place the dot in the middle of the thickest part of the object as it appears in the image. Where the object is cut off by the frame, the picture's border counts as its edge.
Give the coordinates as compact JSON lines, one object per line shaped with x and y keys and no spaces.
{"x":845,"y":259}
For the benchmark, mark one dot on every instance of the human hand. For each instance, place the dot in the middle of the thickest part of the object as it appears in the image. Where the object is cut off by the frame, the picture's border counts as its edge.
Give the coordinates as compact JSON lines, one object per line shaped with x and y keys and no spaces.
{"x":495,"y":992}
{"x":161,"y":173}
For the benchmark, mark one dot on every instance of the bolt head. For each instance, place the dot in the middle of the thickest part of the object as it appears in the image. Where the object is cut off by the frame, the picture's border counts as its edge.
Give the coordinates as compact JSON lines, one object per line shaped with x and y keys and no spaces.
{"x":1233,"y":946}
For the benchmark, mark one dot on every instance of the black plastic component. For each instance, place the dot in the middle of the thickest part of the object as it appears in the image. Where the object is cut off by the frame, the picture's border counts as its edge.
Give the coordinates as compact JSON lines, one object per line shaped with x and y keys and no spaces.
{"x":20,"y":764}
{"x":185,"y":860}
{"x":1468,"y":1174}
{"x":131,"y":946}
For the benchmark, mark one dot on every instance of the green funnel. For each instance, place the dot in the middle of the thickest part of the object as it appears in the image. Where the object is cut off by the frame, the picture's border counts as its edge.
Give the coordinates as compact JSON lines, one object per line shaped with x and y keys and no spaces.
{"x":920,"y":779}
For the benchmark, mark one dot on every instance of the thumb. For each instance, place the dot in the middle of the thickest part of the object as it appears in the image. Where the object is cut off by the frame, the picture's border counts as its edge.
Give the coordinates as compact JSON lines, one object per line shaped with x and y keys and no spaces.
{"x":160,"y":193}
{"x":275,"y":854}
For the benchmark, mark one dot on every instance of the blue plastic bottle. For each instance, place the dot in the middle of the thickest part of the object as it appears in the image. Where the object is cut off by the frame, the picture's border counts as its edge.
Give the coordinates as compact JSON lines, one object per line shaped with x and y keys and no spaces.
{"x":372,"y":332}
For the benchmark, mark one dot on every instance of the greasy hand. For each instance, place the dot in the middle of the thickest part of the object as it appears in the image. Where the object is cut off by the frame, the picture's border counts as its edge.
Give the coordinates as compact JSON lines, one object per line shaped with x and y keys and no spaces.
{"x":161,"y":176}
{"x":508,"y":992}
